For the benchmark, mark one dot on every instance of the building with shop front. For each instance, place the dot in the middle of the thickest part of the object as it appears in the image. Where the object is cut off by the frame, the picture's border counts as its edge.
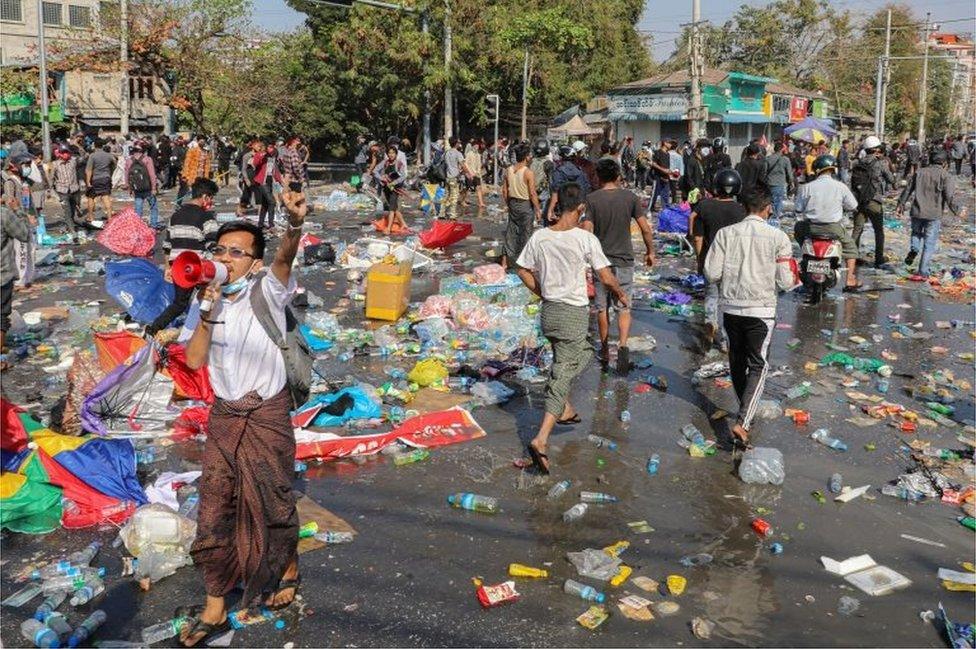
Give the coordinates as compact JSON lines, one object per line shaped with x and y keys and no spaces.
{"x":739,"y":107}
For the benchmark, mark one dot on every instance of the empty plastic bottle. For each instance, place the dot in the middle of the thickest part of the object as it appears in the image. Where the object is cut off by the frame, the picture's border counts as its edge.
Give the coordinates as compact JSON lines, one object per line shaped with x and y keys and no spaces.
{"x":575,"y":512}
{"x":822,"y":435}
{"x":836,"y":483}
{"x":63,"y":583}
{"x":24,"y":595}
{"x":189,"y":506}
{"x":57,"y":623}
{"x":799,"y":391}
{"x":39,"y":634}
{"x":84,"y":630}
{"x":333,"y":538}
{"x":84,"y":557}
{"x":596,"y":497}
{"x":653,"y":464}
{"x":625,"y":416}
{"x":558,"y":489}
{"x":92,"y":589}
{"x":49,"y":605}
{"x":416,"y":455}
{"x":146,"y":455}
{"x":602,"y":442}
{"x":692,"y":434}
{"x":904,"y":493}
{"x":589,"y":593}
{"x":163,"y":630}
{"x":474,"y":502}
{"x":699,"y":559}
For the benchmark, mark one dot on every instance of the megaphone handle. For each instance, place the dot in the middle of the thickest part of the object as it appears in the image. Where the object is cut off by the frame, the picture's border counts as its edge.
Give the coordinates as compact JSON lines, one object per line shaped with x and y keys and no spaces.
{"x":206,"y":305}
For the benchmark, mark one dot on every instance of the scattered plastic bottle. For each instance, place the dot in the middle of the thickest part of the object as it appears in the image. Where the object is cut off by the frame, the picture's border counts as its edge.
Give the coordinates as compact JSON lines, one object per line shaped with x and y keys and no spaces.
{"x":334,"y":538}
{"x":575,"y":512}
{"x":693,"y":435}
{"x":602,"y":442}
{"x":589,"y":593}
{"x":146,"y":455}
{"x":416,"y":455}
{"x":776,"y":548}
{"x":883,"y":386}
{"x":520,"y":570}
{"x":49,"y":605}
{"x":300,"y":467}
{"x":596,"y":497}
{"x":848,"y":605}
{"x":39,"y":634}
{"x":558,"y":489}
{"x":822,"y":435}
{"x":69,"y":582}
{"x":163,"y":630}
{"x":658,"y":383}
{"x":625,"y":416}
{"x":84,"y":630}
{"x":761,"y":527}
{"x":967,"y":521}
{"x":474,"y":502}
{"x":940,"y":408}
{"x":189,"y":506}
{"x":92,"y":589}
{"x":653,"y":464}
{"x":24,"y":595}
{"x":836,"y":483}
{"x":799,"y":391}
{"x":903,"y":493}
{"x":693,"y":560}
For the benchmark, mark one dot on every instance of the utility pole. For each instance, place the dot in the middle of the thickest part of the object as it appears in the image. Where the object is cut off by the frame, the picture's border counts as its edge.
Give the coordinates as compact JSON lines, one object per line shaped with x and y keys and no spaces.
{"x":695,"y":113}
{"x":878,"y":83}
{"x":525,"y":91}
{"x":124,"y":58}
{"x":448,"y":94}
{"x":494,"y":166}
{"x":923,"y":90}
{"x":886,"y":79}
{"x":42,"y":74}
{"x":425,"y":28}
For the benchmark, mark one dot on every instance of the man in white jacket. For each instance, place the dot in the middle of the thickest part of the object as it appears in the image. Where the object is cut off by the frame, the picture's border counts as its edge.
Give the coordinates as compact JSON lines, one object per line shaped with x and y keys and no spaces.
{"x":751,"y":261}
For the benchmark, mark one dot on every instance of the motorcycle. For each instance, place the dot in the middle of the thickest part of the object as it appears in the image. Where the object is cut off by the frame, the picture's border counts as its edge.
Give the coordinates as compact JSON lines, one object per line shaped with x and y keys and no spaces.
{"x":820,"y":263}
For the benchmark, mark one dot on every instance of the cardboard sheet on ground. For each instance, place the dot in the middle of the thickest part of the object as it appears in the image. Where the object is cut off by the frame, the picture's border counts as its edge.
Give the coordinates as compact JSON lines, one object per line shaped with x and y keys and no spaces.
{"x":427,"y":431}
{"x":427,"y":400}
{"x":309,"y":510}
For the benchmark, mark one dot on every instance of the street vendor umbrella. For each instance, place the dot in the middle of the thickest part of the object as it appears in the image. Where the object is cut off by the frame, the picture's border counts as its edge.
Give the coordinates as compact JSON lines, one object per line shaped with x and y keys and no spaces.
{"x":811,"y":130}
{"x":139,"y":287}
{"x":431,"y":196}
{"x":443,"y":233}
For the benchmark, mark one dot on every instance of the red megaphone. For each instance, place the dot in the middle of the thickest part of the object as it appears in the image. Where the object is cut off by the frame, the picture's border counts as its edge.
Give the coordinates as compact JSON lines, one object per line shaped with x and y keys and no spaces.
{"x":189,"y":270}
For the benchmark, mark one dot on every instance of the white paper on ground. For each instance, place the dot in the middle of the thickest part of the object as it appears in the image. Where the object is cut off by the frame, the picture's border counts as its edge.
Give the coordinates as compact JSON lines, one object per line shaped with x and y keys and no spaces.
{"x":851,"y":494}
{"x":957,"y":576}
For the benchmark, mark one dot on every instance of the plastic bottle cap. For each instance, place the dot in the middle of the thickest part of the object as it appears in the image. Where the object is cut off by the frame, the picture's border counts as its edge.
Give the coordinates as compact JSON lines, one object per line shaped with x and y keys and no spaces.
{"x":450,"y":500}
{"x":600,"y":598}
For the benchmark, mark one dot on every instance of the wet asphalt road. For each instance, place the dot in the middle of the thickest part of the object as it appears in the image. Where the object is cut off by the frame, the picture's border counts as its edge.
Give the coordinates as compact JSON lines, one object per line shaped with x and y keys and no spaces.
{"x":407,"y":579}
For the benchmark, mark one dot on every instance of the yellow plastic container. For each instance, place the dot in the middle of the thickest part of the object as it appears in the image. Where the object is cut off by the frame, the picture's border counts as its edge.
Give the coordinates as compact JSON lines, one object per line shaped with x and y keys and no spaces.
{"x":621,"y":575}
{"x":519,"y":570}
{"x":676,"y":584}
{"x":388,"y":290}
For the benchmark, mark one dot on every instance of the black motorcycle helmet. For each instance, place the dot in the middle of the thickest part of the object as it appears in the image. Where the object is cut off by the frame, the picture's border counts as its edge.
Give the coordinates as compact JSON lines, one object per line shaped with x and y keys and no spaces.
{"x":824,"y":163}
{"x":565,"y":151}
{"x":727,"y":183}
{"x":938,"y":157}
{"x":718,"y":144}
{"x":540,"y":148}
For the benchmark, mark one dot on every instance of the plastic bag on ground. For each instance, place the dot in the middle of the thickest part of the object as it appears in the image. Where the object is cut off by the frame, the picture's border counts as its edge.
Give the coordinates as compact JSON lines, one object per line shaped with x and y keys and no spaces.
{"x":769,"y":409}
{"x":492,"y":392}
{"x":156,"y":527}
{"x":433,"y":330}
{"x":156,"y":564}
{"x":488,"y":274}
{"x":595,"y":564}
{"x":436,"y":306}
{"x":428,"y":372}
{"x":323,"y":322}
{"x":762,"y":465}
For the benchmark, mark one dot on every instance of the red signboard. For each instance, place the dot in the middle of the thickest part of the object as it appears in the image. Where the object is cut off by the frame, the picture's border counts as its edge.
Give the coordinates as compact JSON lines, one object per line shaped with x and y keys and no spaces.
{"x":798,"y":108}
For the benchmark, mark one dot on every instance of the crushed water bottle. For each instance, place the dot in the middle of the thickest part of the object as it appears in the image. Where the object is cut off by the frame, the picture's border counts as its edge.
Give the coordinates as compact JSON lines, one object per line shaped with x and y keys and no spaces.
{"x":653,"y":464}
{"x":903,"y":493}
{"x":334,"y":538}
{"x":596,"y":497}
{"x":693,"y":435}
{"x":836,"y":483}
{"x":22,"y":596}
{"x":38,"y":634}
{"x":625,"y":416}
{"x":92,"y":589}
{"x":84,"y":630}
{"x":575,"y":512}
{"x":473,"y":502}
{"x":589,"y":593}
{"x":700,"y":559}
{"x":57,"y":623}
{"x":761,"y":465}
{"x":602,"y":442}
{"x":799,"y":391}
{"x":558,"y":489}
{"x":163,"y":630}
{"x":49,"y":605}
{"x":822,"y":435}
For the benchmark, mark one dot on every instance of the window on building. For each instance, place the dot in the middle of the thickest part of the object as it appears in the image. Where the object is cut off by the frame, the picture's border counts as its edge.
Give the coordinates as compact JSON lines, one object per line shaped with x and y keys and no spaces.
{"x":12,"y":10}
{"x":108,"y":13}
{"x":52,"y":13}
{"x":79,"y":16}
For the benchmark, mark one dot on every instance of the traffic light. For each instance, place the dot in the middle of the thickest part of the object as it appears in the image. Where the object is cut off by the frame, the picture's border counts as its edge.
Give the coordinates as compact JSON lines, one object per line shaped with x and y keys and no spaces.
{"x":491,"y":106}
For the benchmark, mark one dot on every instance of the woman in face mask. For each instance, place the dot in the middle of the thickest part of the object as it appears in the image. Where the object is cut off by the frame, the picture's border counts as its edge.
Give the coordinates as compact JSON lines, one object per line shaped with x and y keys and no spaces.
{"x":17,"y":197}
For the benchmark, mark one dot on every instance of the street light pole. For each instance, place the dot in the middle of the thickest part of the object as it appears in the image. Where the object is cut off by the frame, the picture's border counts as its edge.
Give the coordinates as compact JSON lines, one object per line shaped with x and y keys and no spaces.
{"x":42,"y":73}
{"x":696,"y":71}
{"x":525,"y":93}
{"x":923,"y":91}
{"x":886,"y":79}
{"x":494,"y":166}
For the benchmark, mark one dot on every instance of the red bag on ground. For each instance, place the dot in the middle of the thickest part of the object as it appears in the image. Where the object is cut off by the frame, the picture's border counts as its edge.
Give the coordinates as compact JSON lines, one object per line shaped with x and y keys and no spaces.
{"x":127,"y":234}
{"x":443,"y":233}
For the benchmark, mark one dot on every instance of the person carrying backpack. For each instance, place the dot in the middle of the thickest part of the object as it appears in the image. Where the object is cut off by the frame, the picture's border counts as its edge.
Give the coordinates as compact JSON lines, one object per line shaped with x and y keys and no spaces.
{"x":140,"y":181}
{"x":867,"y":177}
{"x":564,"y":172}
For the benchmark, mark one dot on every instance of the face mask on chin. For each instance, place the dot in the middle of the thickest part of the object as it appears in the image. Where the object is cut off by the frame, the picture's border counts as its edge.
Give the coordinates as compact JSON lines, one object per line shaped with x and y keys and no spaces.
{"x":238,"y":284}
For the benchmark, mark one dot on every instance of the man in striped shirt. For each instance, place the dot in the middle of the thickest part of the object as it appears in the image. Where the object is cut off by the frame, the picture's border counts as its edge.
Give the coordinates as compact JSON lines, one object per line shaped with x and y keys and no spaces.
{"x":291,"y":160}
{"x":193,"y":227}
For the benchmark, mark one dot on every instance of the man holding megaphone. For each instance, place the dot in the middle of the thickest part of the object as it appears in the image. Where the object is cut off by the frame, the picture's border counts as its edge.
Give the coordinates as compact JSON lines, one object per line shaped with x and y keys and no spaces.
{"x":192,"y":229}
{"x":247,"y":526}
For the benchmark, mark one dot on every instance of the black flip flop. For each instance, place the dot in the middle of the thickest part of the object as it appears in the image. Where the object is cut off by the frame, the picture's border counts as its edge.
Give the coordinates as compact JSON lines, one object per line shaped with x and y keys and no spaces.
{"x":537,"y":459}
{"x":206,"y":628}
{"x":569,"y":421}
{"x":740,"y":444}
{"x":286,"y":584}
{"x":853,"y":289}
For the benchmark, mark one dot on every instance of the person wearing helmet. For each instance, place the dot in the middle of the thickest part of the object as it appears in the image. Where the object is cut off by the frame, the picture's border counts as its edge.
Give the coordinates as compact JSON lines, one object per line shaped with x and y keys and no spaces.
{"x":820,"y":204}
{"x":542,"y":168}
{"x":709,"y":216}
{"x":717,"y":160}
{"x":929,"y":190}
{"x":867,"y":179}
